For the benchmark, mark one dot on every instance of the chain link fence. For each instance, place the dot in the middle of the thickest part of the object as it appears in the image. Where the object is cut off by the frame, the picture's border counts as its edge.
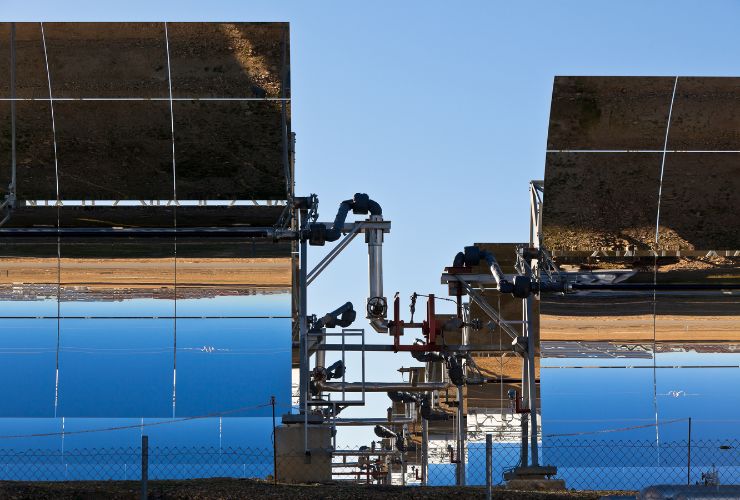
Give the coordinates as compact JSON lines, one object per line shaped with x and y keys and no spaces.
{"x":583,"y":464}
{"x":125,"y":463}
{"x":600,"y":464}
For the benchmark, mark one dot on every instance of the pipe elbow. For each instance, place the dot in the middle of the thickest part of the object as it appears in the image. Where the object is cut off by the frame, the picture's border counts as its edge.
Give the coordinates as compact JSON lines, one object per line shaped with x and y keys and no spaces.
{"x":459,"y":260}
{"x":335,"y":231}
{"x":374,"y":208}
{"x":362,"y":204}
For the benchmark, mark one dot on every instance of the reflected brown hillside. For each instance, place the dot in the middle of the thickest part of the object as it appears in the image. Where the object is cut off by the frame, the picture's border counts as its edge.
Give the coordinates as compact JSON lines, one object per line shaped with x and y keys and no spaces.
{"x":605,"y":168}
{"x":122,"y":149}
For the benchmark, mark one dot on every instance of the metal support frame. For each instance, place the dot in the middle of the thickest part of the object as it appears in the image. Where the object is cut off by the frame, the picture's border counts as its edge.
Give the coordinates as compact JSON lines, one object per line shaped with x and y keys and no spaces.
{"x":303,"y":378}
{"x":334,"y":252}
{"x":371,"y":422}
{"x":461,"y":433}
{"x":530,"y":379}
{"x":536,"y":192}
{"x":342,"y":386}
{"x":424,"y":451}
{"x":489,"y":465}
{"x":490,"y":311}
{"x":264,"y":233}
{"x":529,"y":420}
{"x":351,"y":230}
{"x":488,"y":348}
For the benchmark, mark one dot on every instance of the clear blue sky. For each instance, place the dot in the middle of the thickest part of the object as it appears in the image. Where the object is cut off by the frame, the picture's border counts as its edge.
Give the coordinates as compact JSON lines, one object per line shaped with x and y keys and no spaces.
{"x":439,"y":109}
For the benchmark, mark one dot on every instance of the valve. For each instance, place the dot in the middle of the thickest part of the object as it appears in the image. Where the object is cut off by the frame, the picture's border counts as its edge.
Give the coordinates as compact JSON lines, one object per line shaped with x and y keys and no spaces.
{"x":377,"y":307}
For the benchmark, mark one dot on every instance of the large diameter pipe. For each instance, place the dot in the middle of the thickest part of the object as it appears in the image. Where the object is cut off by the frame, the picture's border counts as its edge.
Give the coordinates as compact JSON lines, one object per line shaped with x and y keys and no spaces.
{"x":493,"y":265}
{"x":254,"y":233}
{"x":364,"y":453}
{"x":370,"y":421}
{"x":381,"y":386}
{"x":375,"y":258}
{"x":377,"y":303}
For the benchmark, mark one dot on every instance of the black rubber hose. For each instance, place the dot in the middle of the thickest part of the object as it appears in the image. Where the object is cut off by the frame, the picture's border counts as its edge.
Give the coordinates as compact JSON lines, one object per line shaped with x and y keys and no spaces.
{"x":361,"y":203}
{"x":459,"y":260}
{"x":374,"y":207}
{"x":335,"y":231}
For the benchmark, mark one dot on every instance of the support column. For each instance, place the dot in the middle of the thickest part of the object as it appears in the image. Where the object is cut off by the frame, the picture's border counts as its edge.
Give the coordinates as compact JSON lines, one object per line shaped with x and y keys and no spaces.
{"x":531,"y":349}
{"x":424,"y":451}
{"x":461,"y":434}
{"x":303,"y":331}
{"x":524,"y":453}
{"x":489,"y":465}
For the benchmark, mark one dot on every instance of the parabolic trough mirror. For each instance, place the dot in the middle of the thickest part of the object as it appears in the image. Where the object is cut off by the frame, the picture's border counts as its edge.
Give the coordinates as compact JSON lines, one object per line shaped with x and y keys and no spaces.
{"x":642,"y":180}
{"x":143,"y":126}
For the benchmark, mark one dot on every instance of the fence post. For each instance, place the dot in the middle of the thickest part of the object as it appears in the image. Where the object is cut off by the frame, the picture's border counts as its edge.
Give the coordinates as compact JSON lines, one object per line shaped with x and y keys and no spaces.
{"x":424,"y":452}
{"x":144,"y":466}
{"x":688,"y":458}
{"x":274,"y":443}
{"x":489,"y":465}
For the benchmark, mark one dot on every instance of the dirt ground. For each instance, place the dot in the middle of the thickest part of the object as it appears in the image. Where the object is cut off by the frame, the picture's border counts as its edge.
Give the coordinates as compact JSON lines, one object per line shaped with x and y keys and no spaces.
{"x":251,"y":489}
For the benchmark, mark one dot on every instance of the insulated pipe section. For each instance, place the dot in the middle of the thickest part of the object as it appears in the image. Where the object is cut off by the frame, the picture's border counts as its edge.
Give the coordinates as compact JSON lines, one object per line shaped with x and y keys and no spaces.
{"x":343,"y":316}
{"x":430,"y":413}
{"x":403,"y":397}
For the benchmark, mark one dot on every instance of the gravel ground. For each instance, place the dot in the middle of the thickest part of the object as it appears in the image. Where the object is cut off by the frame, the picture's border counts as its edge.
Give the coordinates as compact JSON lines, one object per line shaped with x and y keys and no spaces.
{"x":201,"y":489}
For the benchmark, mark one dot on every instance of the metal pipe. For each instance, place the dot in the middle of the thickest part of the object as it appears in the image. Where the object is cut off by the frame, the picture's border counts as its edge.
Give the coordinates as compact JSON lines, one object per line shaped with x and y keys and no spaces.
{"x":489,"y":465}
{"x":461,"y":434}
{"x":370,"y":421}
{"x":651,"y":286}
{"x":525,"y":391}
{"x":364,"y":453}
{"x":375,"y":258}
{"x":531,"y":348}
{"x":490,"y":311}
{"x":377,"y":304}
{"x":424,"y":451}
{"x":360,"y":203}
{"x":466,"y":321}
{"x":524,"y":452}
{"x":320,"y":359}
{"x":391,"y":348}
{"x":303,"y":388}
{"x":381,"y":386}
{"x":264,"y":233}
{"x":403,"y":469}
{"x":496,"y":271}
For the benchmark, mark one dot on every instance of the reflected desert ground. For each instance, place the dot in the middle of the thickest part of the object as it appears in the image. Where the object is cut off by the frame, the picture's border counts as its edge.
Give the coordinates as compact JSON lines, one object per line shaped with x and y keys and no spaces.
{"x":17,"y":275}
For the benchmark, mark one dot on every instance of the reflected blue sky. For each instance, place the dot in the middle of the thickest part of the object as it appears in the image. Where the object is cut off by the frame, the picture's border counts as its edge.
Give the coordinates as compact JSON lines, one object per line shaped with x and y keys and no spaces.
{"x":208,"y":432}
{"x":117,"y":371}
{"x":688,"y":384}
